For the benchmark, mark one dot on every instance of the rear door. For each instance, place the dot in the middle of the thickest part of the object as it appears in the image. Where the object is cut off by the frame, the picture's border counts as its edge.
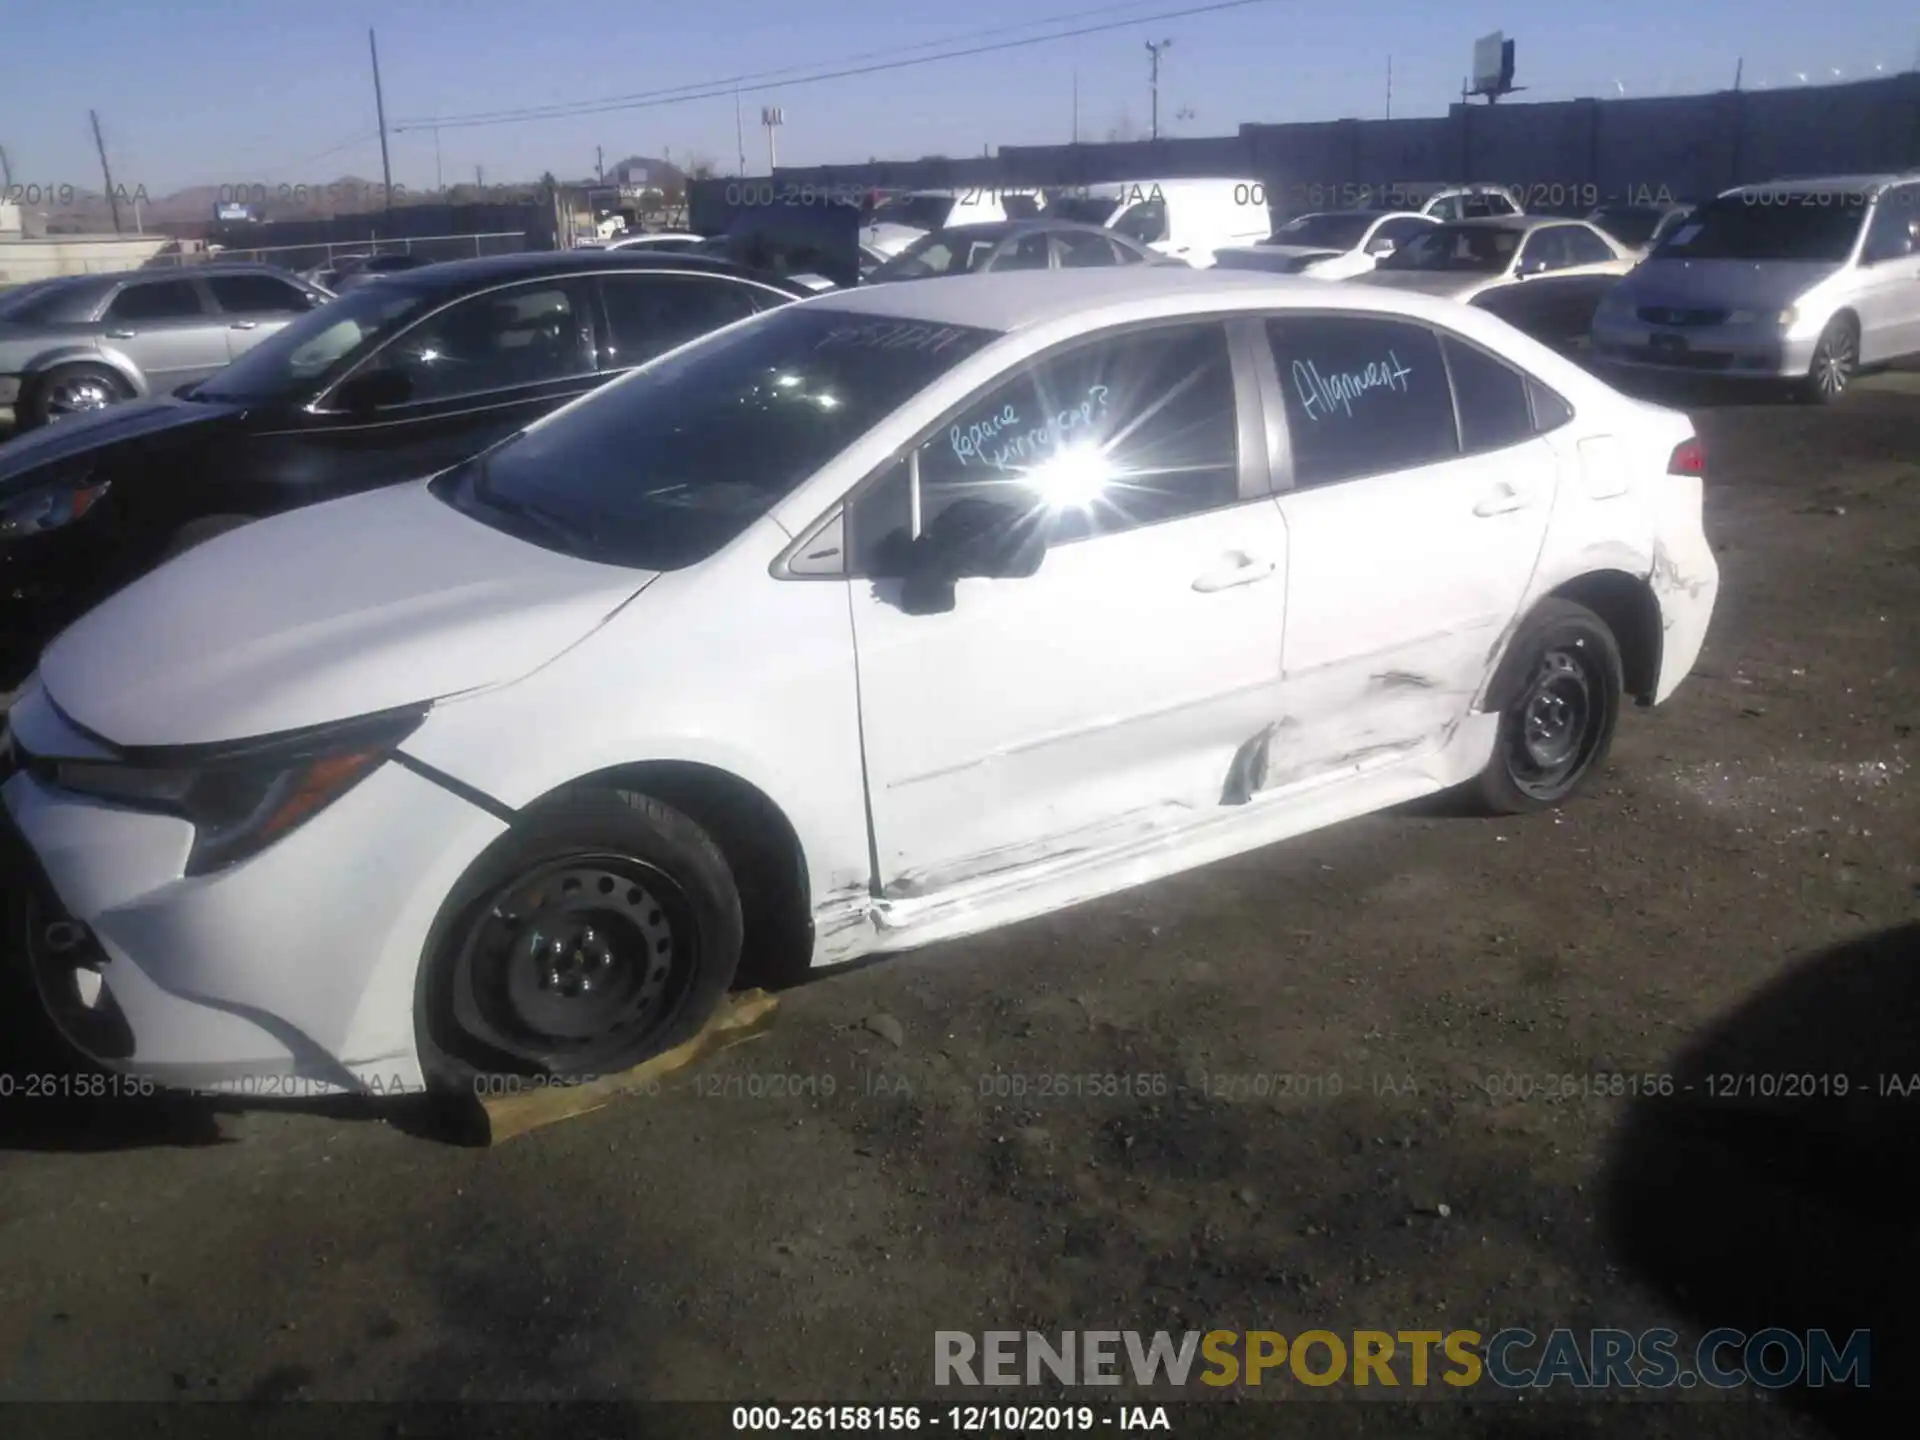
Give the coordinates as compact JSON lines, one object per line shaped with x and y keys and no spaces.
{"x":254,"y":306}
{"x":1889,"y":303}
{"x":1413,"y":531}
{"x":168,"y":328}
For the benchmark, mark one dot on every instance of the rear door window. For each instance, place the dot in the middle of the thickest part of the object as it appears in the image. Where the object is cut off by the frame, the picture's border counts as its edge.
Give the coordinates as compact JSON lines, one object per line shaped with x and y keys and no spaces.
{"x":1492,"y":399}
{"x":1363,"y":396}
{"x":648,"y":315}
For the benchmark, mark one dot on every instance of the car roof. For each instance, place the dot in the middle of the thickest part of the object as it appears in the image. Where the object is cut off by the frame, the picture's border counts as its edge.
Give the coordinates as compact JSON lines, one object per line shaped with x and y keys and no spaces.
{"x":1515,"y":222}
{"x":1016,"y":300}
{"x":534,"y":264}
{"x":1853,"y":184}
{"x":1358,"y":214}
{"x":1019,"y":227}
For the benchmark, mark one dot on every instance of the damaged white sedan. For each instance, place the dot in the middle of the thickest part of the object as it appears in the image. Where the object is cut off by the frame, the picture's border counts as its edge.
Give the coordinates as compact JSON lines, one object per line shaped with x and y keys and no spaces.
{"x":884,"y":618}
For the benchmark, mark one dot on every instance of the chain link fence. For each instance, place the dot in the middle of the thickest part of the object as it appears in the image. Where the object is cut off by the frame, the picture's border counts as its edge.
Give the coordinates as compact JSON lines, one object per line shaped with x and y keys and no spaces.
{"x":430,"y":248}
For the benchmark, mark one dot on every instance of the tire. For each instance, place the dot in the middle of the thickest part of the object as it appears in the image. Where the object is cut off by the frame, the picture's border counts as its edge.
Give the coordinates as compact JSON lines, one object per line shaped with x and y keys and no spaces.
{"x":1559,"y":689}
{"x":197,"y":532}
{"x":608,"y":877}
{"x":71,"y":390}
{"x":1836,"y":361}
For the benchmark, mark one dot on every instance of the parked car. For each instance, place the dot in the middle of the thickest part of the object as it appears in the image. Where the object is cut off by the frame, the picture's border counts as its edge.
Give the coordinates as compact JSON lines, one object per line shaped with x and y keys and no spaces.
{"x":345,"y":272}
{"x":897,"y":221}
{"x":1187,"y":219}
{"x":1329,"y":244}
{"x":1013,"y":245}
{"x":1543,"y":275}
{"x":389,"y":382}
{"x":1471,"y":202}
{"x":1006,"y":592}
{"x":1639,"y":228}
{"x":664,"y":241}
{"x":1805,"y":281}
{"x":85,"y":342}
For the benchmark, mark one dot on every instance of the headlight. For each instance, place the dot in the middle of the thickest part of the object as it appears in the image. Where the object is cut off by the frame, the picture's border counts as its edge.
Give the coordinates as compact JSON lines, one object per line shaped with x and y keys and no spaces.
{"x":1783,"y":318}
{"x":48,"y":507}
{"x":241,"y":798}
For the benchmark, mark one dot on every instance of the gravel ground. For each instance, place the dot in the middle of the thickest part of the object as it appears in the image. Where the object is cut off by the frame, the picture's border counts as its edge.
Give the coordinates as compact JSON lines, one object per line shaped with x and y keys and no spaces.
{"x":1738,"y":896}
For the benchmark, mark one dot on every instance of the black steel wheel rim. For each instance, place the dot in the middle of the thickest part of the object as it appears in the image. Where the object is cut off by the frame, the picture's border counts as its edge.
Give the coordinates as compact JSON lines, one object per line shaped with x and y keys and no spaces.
{"x":1555,"y":725}
{"x":577,"y":960}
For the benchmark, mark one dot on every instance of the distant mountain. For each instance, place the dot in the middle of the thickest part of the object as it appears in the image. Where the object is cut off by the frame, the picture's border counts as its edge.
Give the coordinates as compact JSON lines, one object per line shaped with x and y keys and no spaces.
{"x":348,"y":195}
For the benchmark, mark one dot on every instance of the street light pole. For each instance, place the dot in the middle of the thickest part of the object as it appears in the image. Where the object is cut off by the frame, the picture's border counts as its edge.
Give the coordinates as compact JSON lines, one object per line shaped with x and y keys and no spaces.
{"x":1153,"y":81}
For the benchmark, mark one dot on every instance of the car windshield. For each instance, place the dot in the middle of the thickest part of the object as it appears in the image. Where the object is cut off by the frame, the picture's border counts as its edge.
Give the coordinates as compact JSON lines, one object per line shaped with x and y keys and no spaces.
{"x":1323,"y":232}
{"x":950,"y":252}
{"x":297,"y":361}
{"x":1629,"y":224}
{"x":662,"y":468}
{"x":1474,"y":249}
{"x":922,"y":212}
{"x":1763,"y":225}
{"x":32,"y":302}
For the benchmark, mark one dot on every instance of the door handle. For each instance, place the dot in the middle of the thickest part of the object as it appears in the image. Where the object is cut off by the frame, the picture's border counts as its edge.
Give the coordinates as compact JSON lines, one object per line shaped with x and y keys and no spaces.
{"x":1244,"y":570}
{"x":246,"y":325}
{"x":1503,"y":502}
{"x":120,"y":334}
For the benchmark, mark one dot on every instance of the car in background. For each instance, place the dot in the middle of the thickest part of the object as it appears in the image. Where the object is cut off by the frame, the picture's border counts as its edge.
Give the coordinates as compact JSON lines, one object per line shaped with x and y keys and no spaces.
{"x":500,"y":773}
{"x":1186,"y":219}
{"x":81,"y":343}
{"x":666,"y":242}
{"x":1639,"y":227}
{"x":1471,"y":202}
{"x":1013,"y":245}
{"x":387,"y":383}
{"x":896,"y":221}
{"x":1543,"y":275}
{"x":345,"y":272}
{"x":1805,"y":281}
{"x":1329,"y":244}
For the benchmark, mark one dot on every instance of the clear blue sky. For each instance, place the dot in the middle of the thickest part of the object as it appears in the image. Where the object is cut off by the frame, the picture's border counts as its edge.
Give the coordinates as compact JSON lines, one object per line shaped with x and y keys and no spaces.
{"x":271,"y":91}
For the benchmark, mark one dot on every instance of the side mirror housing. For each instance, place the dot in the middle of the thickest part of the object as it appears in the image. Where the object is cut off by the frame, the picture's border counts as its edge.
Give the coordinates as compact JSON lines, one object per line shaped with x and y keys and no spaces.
{"x":374,"y":390}
{"x":971,"y":539}
{"x":1382,"y":246}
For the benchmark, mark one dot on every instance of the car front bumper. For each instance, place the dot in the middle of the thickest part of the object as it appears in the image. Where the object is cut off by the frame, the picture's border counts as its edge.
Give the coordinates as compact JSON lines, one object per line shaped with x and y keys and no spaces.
{"x":1753,"y":352}
{"x":289,"y":974}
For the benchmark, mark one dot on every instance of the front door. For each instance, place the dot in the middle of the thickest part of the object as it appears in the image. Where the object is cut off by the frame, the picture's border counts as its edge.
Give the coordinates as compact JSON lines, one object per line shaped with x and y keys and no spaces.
{"x":1889,"y":302}
{"x":1412,"y":536}
{"x":255,"y":306}
{"x":1106,"y":696}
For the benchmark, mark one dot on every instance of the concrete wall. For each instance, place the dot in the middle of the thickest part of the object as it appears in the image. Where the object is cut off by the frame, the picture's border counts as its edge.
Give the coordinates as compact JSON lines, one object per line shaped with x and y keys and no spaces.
{"x":1691,"y":146}
{"x":25,"y":260}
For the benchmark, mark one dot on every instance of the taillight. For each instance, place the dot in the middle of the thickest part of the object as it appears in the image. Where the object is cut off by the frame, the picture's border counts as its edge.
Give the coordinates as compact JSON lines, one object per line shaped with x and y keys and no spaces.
{"x":1689,"y":458}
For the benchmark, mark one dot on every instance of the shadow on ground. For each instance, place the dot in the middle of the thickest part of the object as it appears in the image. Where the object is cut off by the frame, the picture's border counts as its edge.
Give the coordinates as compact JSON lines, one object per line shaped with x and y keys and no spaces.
{"x":1761,"y":1208}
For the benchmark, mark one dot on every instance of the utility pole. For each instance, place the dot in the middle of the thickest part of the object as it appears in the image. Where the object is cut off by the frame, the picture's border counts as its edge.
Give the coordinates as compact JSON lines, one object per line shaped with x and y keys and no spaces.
{"x":479,"y":177}
{"x":599,"y":165}
{"x":1076,"y":107}
{"x":380,"y":111}
{"x":1389,"y":87}
{"x":1153,"y":82}
{"x":1739,"y":66}
{"x":6,"y":169}
{"x":113,"y":201}
{"x":773,"y":117}
{"x":739,"y":135}
{"x":439,"y":178}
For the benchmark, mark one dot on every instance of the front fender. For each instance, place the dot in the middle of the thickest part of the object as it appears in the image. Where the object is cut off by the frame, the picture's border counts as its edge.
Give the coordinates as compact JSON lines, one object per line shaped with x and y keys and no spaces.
{"x":93,"y":354}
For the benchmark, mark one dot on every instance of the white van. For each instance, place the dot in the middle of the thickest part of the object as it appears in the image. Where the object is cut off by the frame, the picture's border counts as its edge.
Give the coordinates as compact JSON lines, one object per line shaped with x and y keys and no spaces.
{"x":1188,"y":219}
{"x":900,"y":220}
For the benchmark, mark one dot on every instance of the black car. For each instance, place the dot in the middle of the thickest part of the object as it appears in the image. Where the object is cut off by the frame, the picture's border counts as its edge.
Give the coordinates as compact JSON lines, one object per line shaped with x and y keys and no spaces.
{"x":349,"y":272}
{"x":388,"y":383}
{"x":1012,"y":245}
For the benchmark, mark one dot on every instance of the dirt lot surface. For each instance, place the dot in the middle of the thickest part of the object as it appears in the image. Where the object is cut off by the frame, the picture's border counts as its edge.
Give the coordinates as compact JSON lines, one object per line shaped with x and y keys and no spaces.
{"x":1738,"y":897}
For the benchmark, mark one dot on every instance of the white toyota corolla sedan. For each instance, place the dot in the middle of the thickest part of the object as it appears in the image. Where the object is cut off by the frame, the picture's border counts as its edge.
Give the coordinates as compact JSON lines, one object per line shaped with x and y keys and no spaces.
{"x":880,"y":619}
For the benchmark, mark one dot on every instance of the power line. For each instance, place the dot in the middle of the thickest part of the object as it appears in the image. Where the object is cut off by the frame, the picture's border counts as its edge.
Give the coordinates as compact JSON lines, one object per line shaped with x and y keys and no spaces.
{"x":720,"y":88}
{"x":568,"y":106}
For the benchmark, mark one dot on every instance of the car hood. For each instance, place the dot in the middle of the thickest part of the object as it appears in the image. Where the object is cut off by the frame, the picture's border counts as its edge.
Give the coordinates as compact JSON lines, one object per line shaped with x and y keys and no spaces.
{"x":1724,"y":284}
{"x":1453,"y":284}
{"x":1283,"y":259}
{"x":342,"y":609}
{"x":23,"y":458}
{"x":890,"y":239}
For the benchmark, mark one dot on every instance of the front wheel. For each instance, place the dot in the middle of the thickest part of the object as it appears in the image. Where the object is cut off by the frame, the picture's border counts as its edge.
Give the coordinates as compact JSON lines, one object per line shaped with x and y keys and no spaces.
{"x":1560,"y":688}
{"x":600,"y":931}
{"x":77,"y":389}
{"x":1836,"y":360}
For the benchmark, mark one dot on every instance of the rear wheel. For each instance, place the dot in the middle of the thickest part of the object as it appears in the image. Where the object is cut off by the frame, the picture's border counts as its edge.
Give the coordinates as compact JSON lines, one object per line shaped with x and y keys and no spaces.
{"x":603,"y":929}
{"x":1836,"y":360}
{"x":1561,"y":684}
{"x":74,"y":389}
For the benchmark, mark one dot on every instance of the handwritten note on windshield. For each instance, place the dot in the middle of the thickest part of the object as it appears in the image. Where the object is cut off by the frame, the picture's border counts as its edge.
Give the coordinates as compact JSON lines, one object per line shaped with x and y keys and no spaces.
{"x":1324,"y":395}
{"x":894,"y":335}
{"x":1004,"y":441}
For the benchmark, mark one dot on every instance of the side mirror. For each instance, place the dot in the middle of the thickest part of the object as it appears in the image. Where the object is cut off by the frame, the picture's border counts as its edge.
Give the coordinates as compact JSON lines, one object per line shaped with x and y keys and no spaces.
{"x":1535,"y":266}
{"x":972,"y":538}
{"x":1382,"y":246}
{"x":374,"y":390}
